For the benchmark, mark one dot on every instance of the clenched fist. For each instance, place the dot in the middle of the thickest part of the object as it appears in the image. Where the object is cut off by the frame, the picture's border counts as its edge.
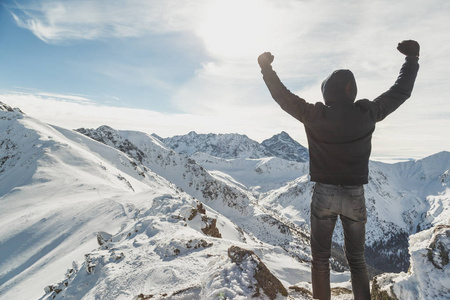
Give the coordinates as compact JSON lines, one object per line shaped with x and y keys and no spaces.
{"x":265,"y":59}
{"x":409,"y":48}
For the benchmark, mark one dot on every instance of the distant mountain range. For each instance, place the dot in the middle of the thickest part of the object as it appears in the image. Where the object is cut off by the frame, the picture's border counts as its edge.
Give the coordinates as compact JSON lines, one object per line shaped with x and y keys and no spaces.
{"x":200,"y":216}
{"x":232,"y":146}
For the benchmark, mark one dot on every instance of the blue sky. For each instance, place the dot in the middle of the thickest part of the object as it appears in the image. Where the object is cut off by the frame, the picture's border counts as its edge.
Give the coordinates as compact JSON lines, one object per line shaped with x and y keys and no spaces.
{"x":137,"y":72}
{"x":170,"y":67}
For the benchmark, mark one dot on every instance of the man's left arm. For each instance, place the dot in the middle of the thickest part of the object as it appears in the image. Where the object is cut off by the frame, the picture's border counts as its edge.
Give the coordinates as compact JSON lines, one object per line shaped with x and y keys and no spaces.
{"x":389,"y":101}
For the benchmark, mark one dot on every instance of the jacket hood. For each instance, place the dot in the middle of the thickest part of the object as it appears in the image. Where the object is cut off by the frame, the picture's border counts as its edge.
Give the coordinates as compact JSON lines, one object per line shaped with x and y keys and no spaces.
{"x":340,"y":86}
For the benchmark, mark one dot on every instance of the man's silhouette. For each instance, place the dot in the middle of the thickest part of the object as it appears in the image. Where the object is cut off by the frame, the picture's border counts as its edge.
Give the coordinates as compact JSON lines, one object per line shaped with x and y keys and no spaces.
{"x":339,"y":134}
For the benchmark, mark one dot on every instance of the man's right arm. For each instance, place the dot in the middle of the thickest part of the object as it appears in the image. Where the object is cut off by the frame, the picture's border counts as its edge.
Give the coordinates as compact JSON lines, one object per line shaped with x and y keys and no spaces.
{"x":289,"y":102}
{"x":389,"y":101}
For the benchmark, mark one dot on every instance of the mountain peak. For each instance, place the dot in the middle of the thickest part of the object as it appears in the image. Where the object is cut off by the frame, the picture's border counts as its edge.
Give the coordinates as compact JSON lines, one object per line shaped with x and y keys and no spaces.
{"x":233,"y":145}
{"x":103,"y":134}
{"x":105,"y":128}
{"x":230,"y":145}
{"x":6,"y":107}
{"x":282,"y":145}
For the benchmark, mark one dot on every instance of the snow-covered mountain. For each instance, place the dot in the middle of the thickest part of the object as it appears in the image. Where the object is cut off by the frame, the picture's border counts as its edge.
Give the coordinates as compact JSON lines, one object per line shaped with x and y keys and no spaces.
{"x":401,"y":199}
{"x":57,"y":189}
{"x":133,"y":216}
{"x":230,"y":146}
{"x":283,"y":146}
{"x":219,"y":145}
{"x":214,"y":188}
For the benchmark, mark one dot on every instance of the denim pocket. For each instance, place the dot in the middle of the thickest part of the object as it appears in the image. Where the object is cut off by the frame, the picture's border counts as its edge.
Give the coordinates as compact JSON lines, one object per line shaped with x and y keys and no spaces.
{"x":321,"y":204}
{"x":359,"y":207}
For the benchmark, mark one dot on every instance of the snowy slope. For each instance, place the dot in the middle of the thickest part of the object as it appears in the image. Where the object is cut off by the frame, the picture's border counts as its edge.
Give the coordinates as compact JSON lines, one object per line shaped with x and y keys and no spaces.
{"x":58,"y":187}
{"x":163,"y":253}
{"x":255,"y":174}
{"x":63,"y":189}
{"x":67,"y":193}
{"x":234,"y":201}
{"x":130,"y":218}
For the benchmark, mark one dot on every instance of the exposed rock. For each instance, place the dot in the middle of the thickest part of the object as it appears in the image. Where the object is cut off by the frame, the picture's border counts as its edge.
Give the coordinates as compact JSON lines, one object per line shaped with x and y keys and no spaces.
{"x":192,"y":292}
{"x":143,"y":297}
{"x":301,"y":291}
{"x":437,"y":250}
{"x":211,"y":228}
{"x":58,"y":287}
{"x":378,"y":294}
{"x":210,"y":223}
{"x":200,"y":209}
{"x":265,"y":280}
{"x":283,"y":146}
{"x":340,"y":291}
{"x":176,"y":247}
{"x":6,"y":107}
{"x":103,"y":237}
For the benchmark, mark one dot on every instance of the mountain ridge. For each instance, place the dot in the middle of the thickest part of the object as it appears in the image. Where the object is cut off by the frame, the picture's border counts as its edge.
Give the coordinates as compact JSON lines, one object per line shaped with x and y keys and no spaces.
{"x":128,"y":210}
{"x":382,"y":231}
{"x":233,"y":145}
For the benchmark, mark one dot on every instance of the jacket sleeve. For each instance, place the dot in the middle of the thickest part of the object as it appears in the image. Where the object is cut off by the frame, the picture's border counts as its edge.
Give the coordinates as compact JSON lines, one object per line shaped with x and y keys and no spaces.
{"x":389,"y":101}
{"x":289,"y":102}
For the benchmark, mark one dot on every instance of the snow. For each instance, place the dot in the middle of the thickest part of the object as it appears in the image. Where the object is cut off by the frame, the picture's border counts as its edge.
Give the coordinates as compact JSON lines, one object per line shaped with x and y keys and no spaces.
{"x":429,"y":276}
{"x":259,"y":175}
{"x":128,"y":217}
{"x":64,"y":191}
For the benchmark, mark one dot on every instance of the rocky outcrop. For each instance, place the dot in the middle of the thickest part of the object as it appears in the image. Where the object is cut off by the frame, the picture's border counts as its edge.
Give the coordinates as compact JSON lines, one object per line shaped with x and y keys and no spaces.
{"x":429,"y":274}
{"x":266,"y":282}
{"x":209,"y":225}
{"x":6,"y":107}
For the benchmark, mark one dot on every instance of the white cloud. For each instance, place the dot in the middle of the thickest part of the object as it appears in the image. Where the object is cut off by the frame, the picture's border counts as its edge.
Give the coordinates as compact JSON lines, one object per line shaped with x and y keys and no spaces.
{"x":56,"y":21}
{"x":309,"y":40}
{"x":391,"y":140}
{"x":74,"y":98}
{"x":61,"y":111}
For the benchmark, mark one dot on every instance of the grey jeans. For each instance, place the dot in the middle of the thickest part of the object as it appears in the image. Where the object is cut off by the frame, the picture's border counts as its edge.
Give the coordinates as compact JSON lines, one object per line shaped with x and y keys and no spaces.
{"x":347,"y":202}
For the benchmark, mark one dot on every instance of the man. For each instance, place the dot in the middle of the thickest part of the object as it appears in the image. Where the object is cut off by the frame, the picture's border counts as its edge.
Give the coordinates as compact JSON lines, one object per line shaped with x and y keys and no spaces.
{"x":339,"y":134}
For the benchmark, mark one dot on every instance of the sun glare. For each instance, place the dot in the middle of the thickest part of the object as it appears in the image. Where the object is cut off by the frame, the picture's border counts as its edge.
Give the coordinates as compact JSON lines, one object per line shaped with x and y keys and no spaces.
{"x":233,"y":28}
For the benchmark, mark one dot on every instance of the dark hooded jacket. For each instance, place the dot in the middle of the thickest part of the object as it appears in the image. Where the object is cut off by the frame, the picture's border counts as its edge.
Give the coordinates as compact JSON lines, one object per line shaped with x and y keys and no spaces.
{"x":340,"y":131}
